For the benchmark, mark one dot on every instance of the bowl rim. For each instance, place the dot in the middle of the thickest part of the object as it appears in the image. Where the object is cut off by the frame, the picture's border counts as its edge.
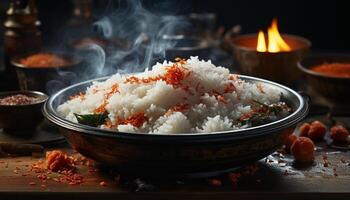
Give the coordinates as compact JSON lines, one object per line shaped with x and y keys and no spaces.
{"x":307,"y":42}
{"x":75,"y":60}
{"x":300,"y":113}
{"x":32,"y":92}
{"x":306,"y":68}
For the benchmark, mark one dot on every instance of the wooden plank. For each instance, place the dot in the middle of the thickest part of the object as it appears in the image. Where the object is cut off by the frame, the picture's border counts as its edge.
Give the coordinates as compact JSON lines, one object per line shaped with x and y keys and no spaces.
{"x":277,"y":176}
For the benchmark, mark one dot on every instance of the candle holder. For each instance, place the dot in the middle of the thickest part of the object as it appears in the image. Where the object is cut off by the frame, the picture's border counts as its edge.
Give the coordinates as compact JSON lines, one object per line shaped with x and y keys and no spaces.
{"x":278,"y":66}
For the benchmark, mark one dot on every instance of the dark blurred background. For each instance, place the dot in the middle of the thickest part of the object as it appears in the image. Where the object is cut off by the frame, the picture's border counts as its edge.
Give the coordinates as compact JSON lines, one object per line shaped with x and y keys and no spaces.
{"x":325,"y":23}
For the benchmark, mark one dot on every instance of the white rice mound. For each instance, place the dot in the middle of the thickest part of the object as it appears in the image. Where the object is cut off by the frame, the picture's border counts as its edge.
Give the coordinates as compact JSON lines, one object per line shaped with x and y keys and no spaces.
{"x":206,"y":113}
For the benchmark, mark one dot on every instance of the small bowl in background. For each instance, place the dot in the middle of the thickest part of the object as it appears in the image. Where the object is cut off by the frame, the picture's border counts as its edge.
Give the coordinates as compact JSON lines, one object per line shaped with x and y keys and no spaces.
{"x":17,"y":119}
{"x":334,"y":89}
{"x":37,"y":77}
{"x":280,"y":66}
{"x":181,"y":46}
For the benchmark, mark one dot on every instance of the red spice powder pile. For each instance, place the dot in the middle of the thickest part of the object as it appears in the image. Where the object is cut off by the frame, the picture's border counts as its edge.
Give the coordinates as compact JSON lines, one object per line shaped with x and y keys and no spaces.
{"x":59,"y":167}
{"x":102,"y":108}
{"x":44,"y":60}
{"x":173,"y":76}
{"x":333,"y":69}
{"x":178,"y":108}
{"x":136,"y":120}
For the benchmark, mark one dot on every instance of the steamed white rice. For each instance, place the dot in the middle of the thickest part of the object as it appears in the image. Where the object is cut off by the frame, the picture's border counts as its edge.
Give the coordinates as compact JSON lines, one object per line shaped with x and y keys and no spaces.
{"x":209,"y":107}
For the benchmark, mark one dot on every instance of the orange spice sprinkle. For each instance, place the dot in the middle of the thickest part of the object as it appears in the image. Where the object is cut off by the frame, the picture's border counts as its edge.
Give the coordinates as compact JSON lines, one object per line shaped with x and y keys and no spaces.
{"x":102,"y":108}
{"x":230,"y":88}
{"x":218,"y":96}
{"x":136,"y":120}
{"x":173,"y":76}
{"x":134,"y":79}
{"x":178,"y":108}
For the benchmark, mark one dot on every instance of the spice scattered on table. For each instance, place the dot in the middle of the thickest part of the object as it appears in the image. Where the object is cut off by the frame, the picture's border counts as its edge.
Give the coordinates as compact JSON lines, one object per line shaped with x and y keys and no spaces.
{"x":60,"y":167}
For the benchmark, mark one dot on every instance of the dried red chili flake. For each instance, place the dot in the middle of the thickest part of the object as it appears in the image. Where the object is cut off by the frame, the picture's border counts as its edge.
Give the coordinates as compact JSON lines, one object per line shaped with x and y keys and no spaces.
{"x":136,"y":80}
{"x":178,"y":108}
{"x":132,"y":79}
{"x":175,"y":74}
{"x":136,"y":120}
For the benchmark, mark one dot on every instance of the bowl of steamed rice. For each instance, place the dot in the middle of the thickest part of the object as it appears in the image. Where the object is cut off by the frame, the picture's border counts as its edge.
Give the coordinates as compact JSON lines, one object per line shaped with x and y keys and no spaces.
{"x":183,"y":117}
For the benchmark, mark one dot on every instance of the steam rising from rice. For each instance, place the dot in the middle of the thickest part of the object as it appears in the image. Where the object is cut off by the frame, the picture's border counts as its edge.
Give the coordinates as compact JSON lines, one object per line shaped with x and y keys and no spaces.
{"x":182,"y":97}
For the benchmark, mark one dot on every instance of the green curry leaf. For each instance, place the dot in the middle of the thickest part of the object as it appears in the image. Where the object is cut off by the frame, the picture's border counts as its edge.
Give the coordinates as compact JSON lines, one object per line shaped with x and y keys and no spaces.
{"x":92,"y":119}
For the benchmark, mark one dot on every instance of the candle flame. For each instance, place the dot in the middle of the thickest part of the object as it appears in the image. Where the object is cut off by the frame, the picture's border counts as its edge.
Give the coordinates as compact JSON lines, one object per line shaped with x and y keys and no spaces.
{"x":261,"y":47}
{"x":275,"y":40}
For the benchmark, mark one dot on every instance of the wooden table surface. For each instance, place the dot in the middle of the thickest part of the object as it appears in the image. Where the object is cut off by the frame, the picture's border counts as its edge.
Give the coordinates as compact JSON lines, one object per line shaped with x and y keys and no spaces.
{"x":276,"y":178}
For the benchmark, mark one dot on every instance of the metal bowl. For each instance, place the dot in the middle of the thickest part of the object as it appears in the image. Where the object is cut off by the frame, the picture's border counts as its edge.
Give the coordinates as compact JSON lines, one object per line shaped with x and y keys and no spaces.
{"x":335,"y":89}
{"x":21,"y":119}
{"x":195,"y":154}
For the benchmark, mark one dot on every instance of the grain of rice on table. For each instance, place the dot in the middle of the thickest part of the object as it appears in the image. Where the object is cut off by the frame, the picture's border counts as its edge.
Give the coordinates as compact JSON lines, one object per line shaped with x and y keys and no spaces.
{"x":188,"y":96}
